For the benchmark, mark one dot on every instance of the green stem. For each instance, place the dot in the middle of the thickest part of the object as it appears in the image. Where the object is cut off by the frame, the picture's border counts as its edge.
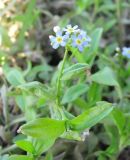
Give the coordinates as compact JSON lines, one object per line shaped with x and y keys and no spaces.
{"x":60,"y":76}
{"x":120,"y":33}
{"x":121,"y":68}
{"x":8,"y":149}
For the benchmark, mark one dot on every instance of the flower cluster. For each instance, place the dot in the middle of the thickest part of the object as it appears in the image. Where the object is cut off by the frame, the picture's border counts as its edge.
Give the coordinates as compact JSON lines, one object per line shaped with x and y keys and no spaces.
{"x":126,"y":52}
{"x":72,"y":36}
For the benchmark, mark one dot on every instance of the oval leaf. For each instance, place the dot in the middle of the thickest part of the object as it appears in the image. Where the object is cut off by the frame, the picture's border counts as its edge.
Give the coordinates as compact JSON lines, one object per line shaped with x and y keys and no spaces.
{"x":74,"y":92}
{"x":91,"y":117}
{"x":74,"y":70}
{"x":42,"y":145}
{"x":14,"y":77}
{"x":92,"y":52}
{"x":44,"y":128}
{"x":105,"y":77}
{"x":25,"y":145}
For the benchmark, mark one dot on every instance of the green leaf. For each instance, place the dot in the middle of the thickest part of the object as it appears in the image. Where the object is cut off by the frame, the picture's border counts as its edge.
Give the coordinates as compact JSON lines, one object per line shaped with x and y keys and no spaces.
{"x":49,"y":156}
{"x":72,"y":135}
{"x":91,"y":117}
{"x":36,"y":89}
{"x":20,"y":157}
{"x":44,"y":128}
{"x":101,"y":157}
{"x":114,"y":139}
{"x":42,"y":145}
{"x":94,"y":94}
{"x":68,"y":115}
{"x":25,"y":145}
{"x":107,"y":7}
{"x":45,"y":131}
{"x":21,"y":101}
{"x":33,"y":87}
{"x":27,"y":19}
{"x":96,"y":37}
{"x":119,"y":120}
{"x":14,"y":76}
{"x":109,"y":25}
{"x":106,"y":77}
{"x":81,"y":103}
{"x":74,"y":70}
{"x":74,"y":92}
{"x":37,"y":69}
{"x":30,"y":85}
{"x":26,"y":102}
{"x":82,"y":4}
{"x":5,"y":40}
{"x":77,"y":55}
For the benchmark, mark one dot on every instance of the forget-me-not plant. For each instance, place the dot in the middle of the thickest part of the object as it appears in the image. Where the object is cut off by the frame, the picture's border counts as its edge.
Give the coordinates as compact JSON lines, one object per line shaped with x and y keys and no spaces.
{"x":68,"y":37}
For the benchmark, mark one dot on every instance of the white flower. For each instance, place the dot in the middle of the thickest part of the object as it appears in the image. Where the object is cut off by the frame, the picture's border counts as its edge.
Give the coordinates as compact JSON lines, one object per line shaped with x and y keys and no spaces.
{"x":56,"y":29}
{"x":69,"y":29}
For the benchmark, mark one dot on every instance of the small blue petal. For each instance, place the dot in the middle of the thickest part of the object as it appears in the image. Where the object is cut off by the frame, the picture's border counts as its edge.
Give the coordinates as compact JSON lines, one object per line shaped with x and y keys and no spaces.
{"x":52,"y":38}
{"x":59,"y":33}
{"x":65,"y":37}
{"x":74,"y":44}
{"x":55,"y":45}
{"x":80,"y":47}
{"x":88,"y":39}
{"x":67,"y":33}
{"x":64,"y":29}
{"x":63,"y":44}
{"x":83,"y":33}
{"x":85,"y":43}
{"x":73,"y":37}
{"x":126,"y":52}
{"x":79,"y":37}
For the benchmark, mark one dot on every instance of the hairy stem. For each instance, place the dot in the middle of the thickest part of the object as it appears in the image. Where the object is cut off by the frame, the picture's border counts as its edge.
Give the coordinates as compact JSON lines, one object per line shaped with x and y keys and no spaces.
{"x":60,"y":76}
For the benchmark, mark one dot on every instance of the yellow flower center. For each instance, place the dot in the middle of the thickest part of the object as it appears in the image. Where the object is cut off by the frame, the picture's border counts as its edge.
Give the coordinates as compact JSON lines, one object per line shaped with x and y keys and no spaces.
{"x":70,"y":30}
{"x":128,"y":51}
{"x":78,"y":41}
{"x":59,"y":39}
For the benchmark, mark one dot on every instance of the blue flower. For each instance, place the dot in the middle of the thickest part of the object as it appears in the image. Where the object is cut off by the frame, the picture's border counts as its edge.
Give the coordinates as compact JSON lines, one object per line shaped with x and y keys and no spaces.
{"x":85,"y":37}
{"x":58,"y":40}
{"x":80,"y":40}
{"x":69,"y":29}
{"x":86,"y":41}
{"x":126,"y":52}
{"x":82,"y":33}
{"x":77,"y":41}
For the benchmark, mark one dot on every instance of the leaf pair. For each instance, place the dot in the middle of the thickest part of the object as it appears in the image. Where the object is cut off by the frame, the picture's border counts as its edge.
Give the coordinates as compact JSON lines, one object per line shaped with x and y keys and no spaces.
{"x":50,"y":129}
